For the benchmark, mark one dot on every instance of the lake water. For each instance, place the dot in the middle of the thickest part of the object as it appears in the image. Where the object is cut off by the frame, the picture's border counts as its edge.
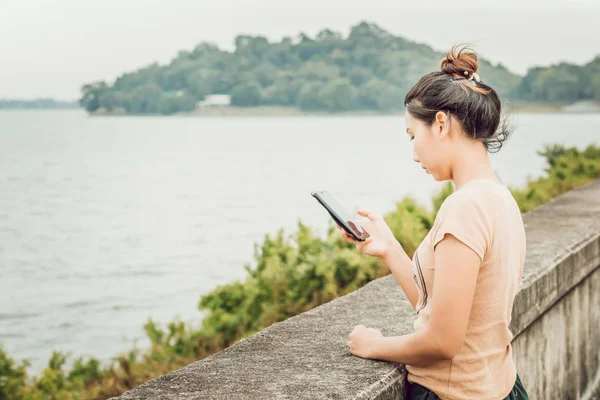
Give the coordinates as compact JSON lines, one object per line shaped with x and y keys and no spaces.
{"x":106,"y":222}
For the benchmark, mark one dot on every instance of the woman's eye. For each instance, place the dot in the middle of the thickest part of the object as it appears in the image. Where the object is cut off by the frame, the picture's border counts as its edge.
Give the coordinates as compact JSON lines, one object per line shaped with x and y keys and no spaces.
{"x":412,"y":138}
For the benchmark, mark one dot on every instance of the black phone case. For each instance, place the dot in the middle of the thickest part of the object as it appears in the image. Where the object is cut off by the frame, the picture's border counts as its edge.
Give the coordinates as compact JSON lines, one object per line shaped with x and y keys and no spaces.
{"x":338,"y":219}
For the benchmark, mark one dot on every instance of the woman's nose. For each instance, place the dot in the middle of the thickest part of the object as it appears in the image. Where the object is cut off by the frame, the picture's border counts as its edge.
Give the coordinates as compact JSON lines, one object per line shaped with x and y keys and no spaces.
{"x":415,"y":158}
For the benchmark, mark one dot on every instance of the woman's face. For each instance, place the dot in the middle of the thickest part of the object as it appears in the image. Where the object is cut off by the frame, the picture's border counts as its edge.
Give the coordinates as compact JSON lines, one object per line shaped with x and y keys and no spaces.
{"x":431,"y":145}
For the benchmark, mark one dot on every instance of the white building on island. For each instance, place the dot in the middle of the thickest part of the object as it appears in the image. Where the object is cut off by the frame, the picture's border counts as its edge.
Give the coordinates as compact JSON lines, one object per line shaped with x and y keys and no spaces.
{"x":214,"y":100}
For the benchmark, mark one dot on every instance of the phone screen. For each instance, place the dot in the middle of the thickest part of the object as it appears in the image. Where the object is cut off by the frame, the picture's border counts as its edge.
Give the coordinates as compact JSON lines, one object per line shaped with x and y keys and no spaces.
{"x":345,"y":216}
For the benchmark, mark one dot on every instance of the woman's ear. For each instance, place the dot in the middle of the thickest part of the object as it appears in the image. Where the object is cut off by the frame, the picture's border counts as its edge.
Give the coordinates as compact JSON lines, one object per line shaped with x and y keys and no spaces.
{"x":442,"y":120}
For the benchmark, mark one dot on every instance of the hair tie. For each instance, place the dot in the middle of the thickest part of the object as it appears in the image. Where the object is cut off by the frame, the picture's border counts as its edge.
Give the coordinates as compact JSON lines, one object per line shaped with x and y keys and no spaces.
{"x":475,"y":77}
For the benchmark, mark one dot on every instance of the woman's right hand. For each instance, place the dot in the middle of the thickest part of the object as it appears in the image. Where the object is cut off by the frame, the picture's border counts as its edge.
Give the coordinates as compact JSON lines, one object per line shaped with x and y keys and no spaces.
{"x":381,"y":240}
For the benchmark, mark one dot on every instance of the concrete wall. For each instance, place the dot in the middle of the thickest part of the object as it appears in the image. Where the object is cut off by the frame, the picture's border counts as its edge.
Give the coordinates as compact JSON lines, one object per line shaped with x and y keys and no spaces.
{"x":556,"y":316}
{"x":556,"y":322}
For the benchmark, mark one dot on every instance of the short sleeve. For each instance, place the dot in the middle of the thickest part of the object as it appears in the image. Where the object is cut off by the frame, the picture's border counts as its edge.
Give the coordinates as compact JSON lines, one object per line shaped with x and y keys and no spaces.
{"x":465,"y":218}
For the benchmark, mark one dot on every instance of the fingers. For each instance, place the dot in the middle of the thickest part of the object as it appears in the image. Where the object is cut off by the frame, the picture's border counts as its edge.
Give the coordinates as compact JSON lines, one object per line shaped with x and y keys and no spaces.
{"x":347,"y":238}
{"x":365,"y":225}
{"x":361,"y":245}
{"x":365,"y":213}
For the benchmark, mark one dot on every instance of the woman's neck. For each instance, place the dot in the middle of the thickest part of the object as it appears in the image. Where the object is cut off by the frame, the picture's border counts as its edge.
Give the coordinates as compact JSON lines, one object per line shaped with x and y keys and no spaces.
{"x":473,"y":164}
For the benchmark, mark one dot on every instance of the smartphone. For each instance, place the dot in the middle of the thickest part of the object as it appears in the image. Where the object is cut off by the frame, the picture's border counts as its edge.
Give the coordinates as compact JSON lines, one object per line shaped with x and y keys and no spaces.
{"x":340,"y":215}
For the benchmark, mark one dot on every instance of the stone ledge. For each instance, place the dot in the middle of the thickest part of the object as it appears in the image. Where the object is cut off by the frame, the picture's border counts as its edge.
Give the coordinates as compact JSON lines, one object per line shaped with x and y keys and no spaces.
{"x":563,"y":248}
{"x":306,"y":356}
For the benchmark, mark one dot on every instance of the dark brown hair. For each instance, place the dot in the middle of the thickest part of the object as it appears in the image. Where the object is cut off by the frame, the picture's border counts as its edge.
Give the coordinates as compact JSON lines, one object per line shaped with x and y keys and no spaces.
{"x":457,"y":90}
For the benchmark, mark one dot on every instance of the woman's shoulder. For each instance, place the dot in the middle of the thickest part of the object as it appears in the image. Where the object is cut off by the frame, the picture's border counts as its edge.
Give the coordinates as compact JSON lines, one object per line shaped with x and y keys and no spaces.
{"x":480,"y":193}
{"x":475,"y":200}
{"x":460,"y":199}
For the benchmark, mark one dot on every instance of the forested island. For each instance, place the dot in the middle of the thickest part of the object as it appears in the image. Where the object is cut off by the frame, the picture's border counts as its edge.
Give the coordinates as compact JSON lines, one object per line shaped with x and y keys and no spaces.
{"x":368,"y":70}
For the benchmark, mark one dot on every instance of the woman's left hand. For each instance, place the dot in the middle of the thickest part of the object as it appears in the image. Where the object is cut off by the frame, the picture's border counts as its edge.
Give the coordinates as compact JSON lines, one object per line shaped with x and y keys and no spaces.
{"x":362,"y":341}
{"x":381,"y":239}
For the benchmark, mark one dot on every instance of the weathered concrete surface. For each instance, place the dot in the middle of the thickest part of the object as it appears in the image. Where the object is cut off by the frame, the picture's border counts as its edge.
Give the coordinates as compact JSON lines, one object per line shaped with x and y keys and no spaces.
{"x":559,"y":352}
{"x":556,"y":316}
{"x":593,"y":394}
{"x":556,"y":321}
{"x":303,"y":357}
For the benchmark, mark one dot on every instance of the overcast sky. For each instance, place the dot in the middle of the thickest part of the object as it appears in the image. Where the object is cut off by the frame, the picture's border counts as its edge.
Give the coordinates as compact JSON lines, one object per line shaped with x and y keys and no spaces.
{"x":49,"y":48}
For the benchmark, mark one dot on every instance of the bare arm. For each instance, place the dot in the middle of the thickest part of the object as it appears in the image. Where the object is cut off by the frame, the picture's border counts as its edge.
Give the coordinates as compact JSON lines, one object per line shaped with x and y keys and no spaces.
{"x":457,"y":267}
{"x":383,"y":244}
{"x":400,"y":265}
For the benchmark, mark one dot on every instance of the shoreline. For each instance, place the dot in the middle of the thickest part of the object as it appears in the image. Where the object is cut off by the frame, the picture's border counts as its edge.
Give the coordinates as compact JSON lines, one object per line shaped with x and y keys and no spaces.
{"x":229,"y":111}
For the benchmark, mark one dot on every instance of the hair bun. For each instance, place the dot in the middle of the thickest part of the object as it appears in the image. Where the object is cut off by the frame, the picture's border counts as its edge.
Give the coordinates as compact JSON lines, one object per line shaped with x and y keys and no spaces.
{"x":458,"y":60}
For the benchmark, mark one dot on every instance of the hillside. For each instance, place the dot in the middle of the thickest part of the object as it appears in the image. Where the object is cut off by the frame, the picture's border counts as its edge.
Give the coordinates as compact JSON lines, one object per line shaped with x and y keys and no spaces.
{"x":368,"y":70}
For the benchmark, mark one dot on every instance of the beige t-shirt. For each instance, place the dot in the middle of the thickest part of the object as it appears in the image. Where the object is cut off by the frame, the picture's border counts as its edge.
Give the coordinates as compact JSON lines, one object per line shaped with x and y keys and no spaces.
{"x":483,"y":215}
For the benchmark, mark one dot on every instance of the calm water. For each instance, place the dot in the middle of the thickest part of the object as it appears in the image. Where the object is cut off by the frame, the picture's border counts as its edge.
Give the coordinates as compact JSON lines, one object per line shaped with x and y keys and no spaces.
{"x":106,"y":222}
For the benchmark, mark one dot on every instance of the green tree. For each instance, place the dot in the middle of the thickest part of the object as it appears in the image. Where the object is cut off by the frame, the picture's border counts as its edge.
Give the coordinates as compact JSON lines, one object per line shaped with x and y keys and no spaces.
{"x":309,"y":97}
{"x":284,"y":91}
{"x":13,"y":378}
{"x":359,"y":75}
{"x":338,"y":95}
{"x":91,"y":94}
{"x":318,"y":71}
{"x":170,"y":105}
{"x":146,"y":99}
{"x":560,"y":83}
{"x":379,"y":95}
{"x":247,"y":94}
{"x":114,"y":100}
{"x":265,"y":74}
{"x":252,"y":47}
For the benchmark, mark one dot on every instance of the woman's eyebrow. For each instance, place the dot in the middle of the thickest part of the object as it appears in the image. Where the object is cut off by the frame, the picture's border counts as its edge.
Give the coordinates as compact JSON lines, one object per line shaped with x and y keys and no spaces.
{"x":407,"y":130}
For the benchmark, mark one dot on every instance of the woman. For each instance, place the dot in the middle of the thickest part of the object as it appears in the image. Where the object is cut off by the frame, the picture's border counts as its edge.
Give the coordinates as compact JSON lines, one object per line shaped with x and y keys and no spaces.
{"x":464,"y":276}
